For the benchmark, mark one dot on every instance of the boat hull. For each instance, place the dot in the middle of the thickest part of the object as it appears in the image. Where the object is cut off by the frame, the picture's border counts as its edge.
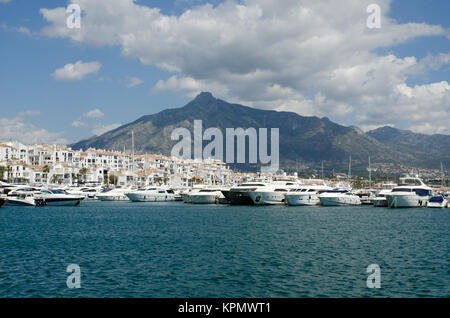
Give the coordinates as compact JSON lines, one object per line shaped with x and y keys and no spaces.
{"x":380,"y":202}
{"x":239,"y":198}
{"x":339,"y":201}
{"x":116,"y":197}
{"x":19,"y":202}
{"x":138,"y":197}
{"x":266,"y":198}
{"x":203,"y":199}
{"x":406,"y":201}
{"x":302,"y":199}
{"x":62,"y":202}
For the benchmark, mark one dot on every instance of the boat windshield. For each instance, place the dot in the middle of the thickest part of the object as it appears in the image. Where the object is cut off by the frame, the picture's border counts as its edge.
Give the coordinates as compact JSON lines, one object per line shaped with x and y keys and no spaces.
{"x":438,"y":199}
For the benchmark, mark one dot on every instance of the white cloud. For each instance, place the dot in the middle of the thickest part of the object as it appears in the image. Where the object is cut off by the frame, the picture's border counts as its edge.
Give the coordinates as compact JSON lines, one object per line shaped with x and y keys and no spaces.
{"x":17,"y":129}
{"x":95,"y":113}
{"x":311,"y":57}
{"x":133,"y":81}
{"x":4,"y":1}
{"x":100,"y":129}
{"x":76,"y":72}
{"x":77,"y":123}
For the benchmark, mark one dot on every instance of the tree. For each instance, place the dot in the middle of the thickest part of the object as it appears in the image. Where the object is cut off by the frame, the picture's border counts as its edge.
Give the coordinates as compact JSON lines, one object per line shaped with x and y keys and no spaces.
{"x":55,"y":178}
{"x":83,"y":172}
{"x":3,"y":169}
{"x":46,"y":169}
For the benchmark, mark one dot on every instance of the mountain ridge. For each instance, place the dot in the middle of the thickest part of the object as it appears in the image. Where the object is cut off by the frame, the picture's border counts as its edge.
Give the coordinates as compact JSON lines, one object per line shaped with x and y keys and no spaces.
{"x":304,"y":141}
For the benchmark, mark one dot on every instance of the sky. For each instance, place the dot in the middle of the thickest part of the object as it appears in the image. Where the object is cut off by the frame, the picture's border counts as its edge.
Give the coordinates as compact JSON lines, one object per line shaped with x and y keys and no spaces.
{"x":133,"y":58}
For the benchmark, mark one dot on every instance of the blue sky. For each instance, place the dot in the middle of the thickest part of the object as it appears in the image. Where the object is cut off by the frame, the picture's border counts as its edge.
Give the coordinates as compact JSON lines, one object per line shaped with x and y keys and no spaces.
{"x":31,"y":96}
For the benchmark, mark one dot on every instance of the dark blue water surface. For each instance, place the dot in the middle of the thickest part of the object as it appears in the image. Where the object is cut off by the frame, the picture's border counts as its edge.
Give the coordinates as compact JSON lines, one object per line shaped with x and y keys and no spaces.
{"x":178,"y":250}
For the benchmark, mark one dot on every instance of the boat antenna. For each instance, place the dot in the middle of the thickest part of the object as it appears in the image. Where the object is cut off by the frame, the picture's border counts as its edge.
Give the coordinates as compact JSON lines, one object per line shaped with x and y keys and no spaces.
{"x":350,"y":168}
{"x":322,"y":170}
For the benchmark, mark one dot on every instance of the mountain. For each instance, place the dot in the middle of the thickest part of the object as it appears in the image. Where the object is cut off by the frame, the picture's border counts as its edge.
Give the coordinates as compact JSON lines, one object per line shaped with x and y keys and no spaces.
{"x":304,"y":141}
{"x":429,"y":149}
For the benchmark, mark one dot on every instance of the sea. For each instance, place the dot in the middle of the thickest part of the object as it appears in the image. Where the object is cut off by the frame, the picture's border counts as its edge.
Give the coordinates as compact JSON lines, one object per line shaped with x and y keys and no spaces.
{"x":177,"y":250}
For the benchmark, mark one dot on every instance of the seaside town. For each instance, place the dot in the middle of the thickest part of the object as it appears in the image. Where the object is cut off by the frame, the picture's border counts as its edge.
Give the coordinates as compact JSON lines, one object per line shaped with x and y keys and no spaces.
{"x":124,"y":176}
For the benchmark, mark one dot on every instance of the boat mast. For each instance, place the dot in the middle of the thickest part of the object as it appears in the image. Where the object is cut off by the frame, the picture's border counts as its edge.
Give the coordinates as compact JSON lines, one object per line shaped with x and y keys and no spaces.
{"x":132,"y":155}
{"x":322,"y":170}
{"x":350,"y":168}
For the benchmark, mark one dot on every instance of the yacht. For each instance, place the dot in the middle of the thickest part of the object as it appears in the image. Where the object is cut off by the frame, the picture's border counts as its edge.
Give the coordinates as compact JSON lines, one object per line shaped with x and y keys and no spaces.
{"x":272,"y":194}
{"x":437,"y":201}
{"x":151,"y":194}
{"x":411,"y":192}
{"x":206,"y":196}
{"x":89,"y":193}
{"x":185,"y":194}
{"x":380,"y":198}
{"x":306,"y":195}
{"x":339,"y":197}
{"x":21,"y":199}
{"x":239,"y":195}
{"x":57,"y":197}
{"x":117,"y":194}
{"x":366,"y":196}
{"x":22,"y":196}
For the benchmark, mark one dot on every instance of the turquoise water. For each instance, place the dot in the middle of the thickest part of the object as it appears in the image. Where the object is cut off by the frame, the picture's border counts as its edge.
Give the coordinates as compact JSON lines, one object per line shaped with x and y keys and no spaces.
{"x":178,"y":250}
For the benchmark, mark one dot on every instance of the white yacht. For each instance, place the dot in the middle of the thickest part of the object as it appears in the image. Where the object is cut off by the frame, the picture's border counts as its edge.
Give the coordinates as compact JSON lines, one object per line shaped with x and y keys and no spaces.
{"x":89,"y":193}
{"x":411,"y":192}
{"x":117,"y":194}
{"x":185,"y":194}
{"x":272,"y":194}
{"x":21,"y":199}
{"x":151,"y":194}
{"x":437,"y":201}
{"x":22,"y":196}
{"x":380,"y":198}
{"x":57,"y":197}
{"x":306,"y":195}
{"x":206,"y":196}
{"x":339,"y":197}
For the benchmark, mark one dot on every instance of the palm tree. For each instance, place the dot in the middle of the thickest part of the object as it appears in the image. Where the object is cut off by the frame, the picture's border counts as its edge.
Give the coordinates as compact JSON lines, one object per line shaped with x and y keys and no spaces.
{"x":3,"y":169}
{"x":83,"y":172}
{"x":55,"y":178}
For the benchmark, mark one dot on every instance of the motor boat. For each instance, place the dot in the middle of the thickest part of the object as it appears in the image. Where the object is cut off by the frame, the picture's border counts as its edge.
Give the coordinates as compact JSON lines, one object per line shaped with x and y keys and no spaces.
{"x":366,"y":196}
{"x":89,"y":193}
{"x":185,"y":194}
{"x":239,"y":195}
{"x":57,"y":197}
{"x":380,"y":198}
{"x":273,"y":194}
{"x":151,"y":194}
{"x":437,"y":201}
{"x":22,"y":196}
{"x":339,"y":197}
{"x":2,"y":201}
{"x":411,"y":192}
{"x":306,"y":195}
{"x":117,"y":194}
{"x":206,"y":196}
{"x":21,"y":199}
